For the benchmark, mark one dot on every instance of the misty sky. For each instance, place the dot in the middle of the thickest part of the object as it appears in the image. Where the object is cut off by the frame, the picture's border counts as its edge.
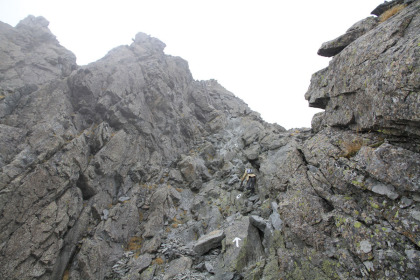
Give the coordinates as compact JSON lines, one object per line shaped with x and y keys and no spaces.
{"x":263,"y":51}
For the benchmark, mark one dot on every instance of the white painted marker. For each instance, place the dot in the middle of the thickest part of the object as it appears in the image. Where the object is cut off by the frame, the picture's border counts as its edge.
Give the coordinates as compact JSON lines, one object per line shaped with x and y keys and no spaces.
{"x":237,"y":241}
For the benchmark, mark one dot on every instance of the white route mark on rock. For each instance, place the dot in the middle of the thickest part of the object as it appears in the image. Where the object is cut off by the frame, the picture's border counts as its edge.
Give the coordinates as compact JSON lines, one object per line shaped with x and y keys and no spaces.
{"x":237,"y":241}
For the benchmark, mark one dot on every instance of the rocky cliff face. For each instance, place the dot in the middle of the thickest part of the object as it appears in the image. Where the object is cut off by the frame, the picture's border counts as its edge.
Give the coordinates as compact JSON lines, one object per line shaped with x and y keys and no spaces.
{"x":127,"y":168}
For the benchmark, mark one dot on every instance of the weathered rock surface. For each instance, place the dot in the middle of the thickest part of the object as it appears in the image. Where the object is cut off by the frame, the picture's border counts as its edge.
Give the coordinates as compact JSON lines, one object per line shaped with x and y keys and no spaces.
{"x":209,"y":241}
{"x":31,"y":55}
{"x":387,"y":5}
{"x":128,"y":168}
{"x":373,"y":83}
{"x":177,"y":266}
{"x":335,"y":46}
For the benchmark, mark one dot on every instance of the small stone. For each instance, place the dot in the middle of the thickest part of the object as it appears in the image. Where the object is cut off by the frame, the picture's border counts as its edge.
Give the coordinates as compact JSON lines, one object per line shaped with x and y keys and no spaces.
{"x":274,"y":206}
{"x":233,"y":179}
{"x":276,"y":220}
{"x":105,"y":213}
{"x":412,"y":255}
{"x":128,"y":254}
{"x":209,"y":267}
{"x":200,"y":267}
{"x":415,"y":214}
{"x":365,"y":246}
{"x":123,"y":198}
{"x":405,"y":202}
{"x":230,"y":218}
{"x":369,"y":266}
{"x":385,"y":190}
{"x":253,"y":198}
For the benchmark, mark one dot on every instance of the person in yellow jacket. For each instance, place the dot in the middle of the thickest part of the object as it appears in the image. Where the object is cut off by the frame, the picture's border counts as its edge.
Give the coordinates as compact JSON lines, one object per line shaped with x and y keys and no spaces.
{"x":251,"y":180}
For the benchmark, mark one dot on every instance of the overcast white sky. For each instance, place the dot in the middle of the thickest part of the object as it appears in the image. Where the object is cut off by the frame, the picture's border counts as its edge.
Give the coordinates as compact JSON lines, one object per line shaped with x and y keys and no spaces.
{"x":263,"y":51}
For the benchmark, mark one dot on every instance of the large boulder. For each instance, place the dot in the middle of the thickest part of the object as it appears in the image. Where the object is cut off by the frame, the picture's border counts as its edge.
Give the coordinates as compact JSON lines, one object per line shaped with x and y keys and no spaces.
{"x":209,"y":241}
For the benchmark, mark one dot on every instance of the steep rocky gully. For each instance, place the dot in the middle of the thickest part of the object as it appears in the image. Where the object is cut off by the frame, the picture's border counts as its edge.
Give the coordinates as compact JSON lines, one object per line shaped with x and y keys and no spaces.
{"x":128,"y":168}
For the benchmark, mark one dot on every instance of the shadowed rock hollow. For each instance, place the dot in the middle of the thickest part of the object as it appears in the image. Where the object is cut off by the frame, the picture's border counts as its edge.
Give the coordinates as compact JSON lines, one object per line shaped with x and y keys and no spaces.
{"x":128,"y":168}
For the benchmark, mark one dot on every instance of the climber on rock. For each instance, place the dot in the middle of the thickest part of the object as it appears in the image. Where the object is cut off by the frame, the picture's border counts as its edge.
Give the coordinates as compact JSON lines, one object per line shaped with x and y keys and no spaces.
{"x":251,"y":180}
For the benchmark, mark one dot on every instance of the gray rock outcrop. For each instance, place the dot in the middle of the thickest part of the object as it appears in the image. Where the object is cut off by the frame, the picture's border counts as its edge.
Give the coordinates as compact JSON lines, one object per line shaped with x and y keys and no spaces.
{"x":386,"y":6}
{"x":128,"y":168}
{"x":335,"y":46}
{"x":372,"y":84}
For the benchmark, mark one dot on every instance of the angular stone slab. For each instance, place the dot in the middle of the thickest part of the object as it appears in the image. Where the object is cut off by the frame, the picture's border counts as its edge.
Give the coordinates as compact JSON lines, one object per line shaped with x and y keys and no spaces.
{"x":209,"y":241}
{"x":177,"y":266}
{"x":335,"y":46}
{"x":140,"y":264}
{"x":258,"y":222}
